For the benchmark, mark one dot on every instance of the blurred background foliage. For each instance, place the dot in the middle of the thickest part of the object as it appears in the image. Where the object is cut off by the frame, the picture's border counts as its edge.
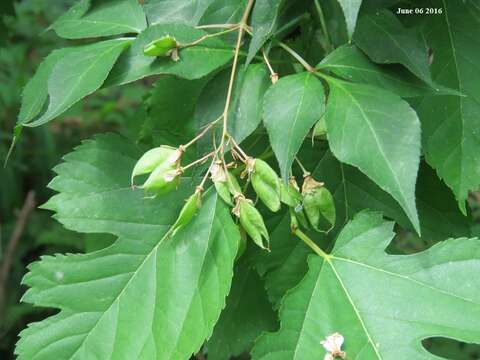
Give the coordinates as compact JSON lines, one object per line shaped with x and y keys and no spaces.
{"x":27,"y":232}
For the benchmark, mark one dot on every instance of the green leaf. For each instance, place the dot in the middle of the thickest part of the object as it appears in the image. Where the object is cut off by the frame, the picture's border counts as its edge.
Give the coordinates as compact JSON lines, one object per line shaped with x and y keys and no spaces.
{"x":195,"y":61}
{"x":247,"y":314}
{"x":350,"y":10}
{"x":350,"y":63}
{"x":248,"y":101}
{"x":291,"y":107}
{"x":385,"y":40}
{"x":170,"y":109}
{"x":186,"y":12}
{"x":73,"y":73}
{"x":379,"y":133}
{"x":224,"y":12}
{"x":286,"y":263}
{"x":450,"y":123}
{"x":112,"y":17}
{"x":383,"y":305}
{"x":35,"y":92}
{"x":353,"y":191}
{"x":264,"y":19}
{"x":245,"y":113}
{"x":117,"y":302}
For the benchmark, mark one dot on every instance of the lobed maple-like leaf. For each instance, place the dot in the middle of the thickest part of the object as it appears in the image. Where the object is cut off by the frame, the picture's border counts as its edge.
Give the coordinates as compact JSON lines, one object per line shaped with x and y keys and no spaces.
{"x":384,"y":305}
{"x":149,"y":295}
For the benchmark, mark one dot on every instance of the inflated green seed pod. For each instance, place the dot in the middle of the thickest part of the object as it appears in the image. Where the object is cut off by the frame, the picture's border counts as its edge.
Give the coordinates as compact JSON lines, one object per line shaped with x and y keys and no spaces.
{"x":318,"y":205}
{"x":189,"y":210}
{"x":242,"y":245}
{"x":300,"y":215}
{"x":289,"y":194}
{"x":252,"y":221}
{"x":266,"y":183}
{"x":225,"y":183}
{"x":293,"y":220}
{"x":161,"y":47}
{"x":153,"y":158}
{"x":222,"y":190}
{"x":162,"y":180}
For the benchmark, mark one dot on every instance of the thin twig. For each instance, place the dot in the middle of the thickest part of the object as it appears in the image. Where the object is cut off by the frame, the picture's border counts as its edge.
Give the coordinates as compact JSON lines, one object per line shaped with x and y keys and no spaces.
{"x":202,"y":133}
{"x":216,"y":26}
{"x":28,"y":206}
{"x":198,"y":161}
{"x":273,"y":74}
{"x":305,"y":171}
{"x":235,"y":144}
{"x":241,"y":30}
{"x":207,"y":36}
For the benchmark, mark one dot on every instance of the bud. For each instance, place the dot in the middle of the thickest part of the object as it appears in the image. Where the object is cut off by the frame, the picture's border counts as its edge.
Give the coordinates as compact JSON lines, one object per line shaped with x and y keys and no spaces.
{"x":318,"y":204}
{"x":252,"y":222}
{"x":163,"y":46}
{"x":154,"y":158}
{"x":189,"y":210}
{"x":265,"y":182}
{"x":225,"y":183}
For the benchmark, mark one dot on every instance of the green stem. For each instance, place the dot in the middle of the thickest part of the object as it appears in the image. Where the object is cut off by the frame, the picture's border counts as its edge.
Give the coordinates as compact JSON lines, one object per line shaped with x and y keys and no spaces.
{"x":311,"y":244}
{"x":296,"y":56}
{"x":202,"y":133}
{"x":198,"y":161}
{"x":305,"y":171}
{"x":207,"y":36}
{"x":241,"y":29}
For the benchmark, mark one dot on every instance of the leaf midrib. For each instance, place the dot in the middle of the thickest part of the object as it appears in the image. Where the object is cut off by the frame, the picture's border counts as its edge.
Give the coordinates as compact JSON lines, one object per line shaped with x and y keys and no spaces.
{"x":45,"y":117}
{"x":295,"y":120}
{"x":357,"y":312}
{"x":382,"y":152}
{"x":134,"y":273}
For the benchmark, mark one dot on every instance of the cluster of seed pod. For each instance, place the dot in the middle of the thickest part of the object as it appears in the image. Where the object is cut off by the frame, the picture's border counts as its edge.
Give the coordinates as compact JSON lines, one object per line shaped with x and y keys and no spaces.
{"x":163,"y":165}
{"x":312,"y":207}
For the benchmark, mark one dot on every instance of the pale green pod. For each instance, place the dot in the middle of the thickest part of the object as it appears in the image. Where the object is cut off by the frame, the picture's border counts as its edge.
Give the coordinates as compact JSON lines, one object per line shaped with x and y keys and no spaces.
{"x":225,"y":183}
{"x":299,"y":213}
{"x":151,"y":159}
{"x":294,"y":225}
{"x":161,"y":47}
{"x":266,"y":184}
{"x":188,"y":210}
{"x":223,"y":192}
{"x":289,"y":194}
{"x":318,"y":205}
{"x":252,"y":221}
{"x":162,"y":180}
{"x":242,"y":245}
